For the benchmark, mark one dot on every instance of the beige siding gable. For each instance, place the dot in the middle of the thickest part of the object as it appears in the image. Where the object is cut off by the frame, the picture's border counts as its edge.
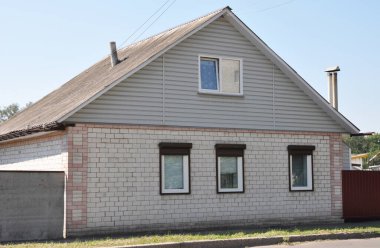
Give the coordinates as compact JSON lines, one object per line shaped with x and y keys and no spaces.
{"x":166,"y":91}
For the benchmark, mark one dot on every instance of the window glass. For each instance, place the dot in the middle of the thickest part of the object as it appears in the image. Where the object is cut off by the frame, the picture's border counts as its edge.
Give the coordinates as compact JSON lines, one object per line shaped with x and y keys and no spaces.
{"x":228,"y":172}
{"x":209,"y":74}
{"x":230,"y":76}
{"x":173,"y":172}
{"x":299,"y":170}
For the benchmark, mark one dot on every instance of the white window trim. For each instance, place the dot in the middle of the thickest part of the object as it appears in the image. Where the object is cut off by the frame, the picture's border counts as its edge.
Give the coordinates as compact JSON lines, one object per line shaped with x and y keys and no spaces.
{"x":219,"y":76}
{"x":309,"y":174}
{"x":240,"y":177}
{"x":185,"y":176}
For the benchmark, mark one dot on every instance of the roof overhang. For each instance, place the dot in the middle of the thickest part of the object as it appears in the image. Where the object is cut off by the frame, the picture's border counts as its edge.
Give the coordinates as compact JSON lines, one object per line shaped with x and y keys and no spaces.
{"x":362,"y":155}
{"x":36,"y":129}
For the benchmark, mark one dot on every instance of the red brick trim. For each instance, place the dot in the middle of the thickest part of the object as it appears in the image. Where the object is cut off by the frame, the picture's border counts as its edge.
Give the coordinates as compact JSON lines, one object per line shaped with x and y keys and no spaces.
{"x":177,"y":128}
{"x":76,"y":210}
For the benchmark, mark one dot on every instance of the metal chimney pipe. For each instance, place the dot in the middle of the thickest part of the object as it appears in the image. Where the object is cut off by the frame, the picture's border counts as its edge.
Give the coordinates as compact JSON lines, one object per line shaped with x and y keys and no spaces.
{"x":332,"y":74}
{"x":114,"y":58}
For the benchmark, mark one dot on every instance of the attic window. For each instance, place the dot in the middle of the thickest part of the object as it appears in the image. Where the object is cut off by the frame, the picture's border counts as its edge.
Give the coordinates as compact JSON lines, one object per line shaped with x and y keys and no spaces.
{"x":218,"y":75}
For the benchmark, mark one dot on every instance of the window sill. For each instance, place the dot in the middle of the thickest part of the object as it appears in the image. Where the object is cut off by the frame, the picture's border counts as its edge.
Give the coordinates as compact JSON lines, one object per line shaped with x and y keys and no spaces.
{"x":230,"y":192}
{"x":175,"y":193}
{"x":220,"y":93}
{"x":300,"y":190}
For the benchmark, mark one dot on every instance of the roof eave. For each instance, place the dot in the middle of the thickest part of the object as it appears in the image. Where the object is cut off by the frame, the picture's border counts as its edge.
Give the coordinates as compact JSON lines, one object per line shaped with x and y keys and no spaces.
{"x":36,"y":129}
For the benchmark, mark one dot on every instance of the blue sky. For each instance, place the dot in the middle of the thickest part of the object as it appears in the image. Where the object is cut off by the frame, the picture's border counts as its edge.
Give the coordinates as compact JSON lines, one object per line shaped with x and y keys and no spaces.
{"x":44,"y":43}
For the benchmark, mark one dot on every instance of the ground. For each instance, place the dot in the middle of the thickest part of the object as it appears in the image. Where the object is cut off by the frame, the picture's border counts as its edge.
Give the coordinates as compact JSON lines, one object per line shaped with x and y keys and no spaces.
{"x":362,"y":243}
{"x":372,"y":227}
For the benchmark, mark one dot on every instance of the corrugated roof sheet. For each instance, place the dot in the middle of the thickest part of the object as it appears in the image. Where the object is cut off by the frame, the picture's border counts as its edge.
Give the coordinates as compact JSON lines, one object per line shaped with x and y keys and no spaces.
{"x":361,"y":155}
{"x":101,"y":75}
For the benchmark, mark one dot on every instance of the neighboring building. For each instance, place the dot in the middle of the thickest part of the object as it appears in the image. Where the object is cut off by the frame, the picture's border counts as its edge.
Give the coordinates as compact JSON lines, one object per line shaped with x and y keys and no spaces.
{"x":357,"y":161}
{"x":373,"y":162}
{"x":201,"y":125}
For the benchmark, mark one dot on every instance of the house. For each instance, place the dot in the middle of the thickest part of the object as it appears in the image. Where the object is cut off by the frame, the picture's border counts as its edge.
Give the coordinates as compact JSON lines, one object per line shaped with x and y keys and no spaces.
{"x":201,"y":125}
{"x":357,"y":160}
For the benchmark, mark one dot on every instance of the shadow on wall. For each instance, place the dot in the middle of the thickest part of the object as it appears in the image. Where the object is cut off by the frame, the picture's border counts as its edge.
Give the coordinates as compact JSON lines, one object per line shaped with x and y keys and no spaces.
{"x":44,"y":155}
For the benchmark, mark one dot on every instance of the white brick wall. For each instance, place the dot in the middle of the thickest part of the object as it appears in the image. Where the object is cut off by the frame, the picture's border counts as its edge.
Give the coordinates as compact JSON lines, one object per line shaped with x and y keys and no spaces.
{"x":346,"y":157}
{"x":40,"y":154}
{"x":123,"y":181}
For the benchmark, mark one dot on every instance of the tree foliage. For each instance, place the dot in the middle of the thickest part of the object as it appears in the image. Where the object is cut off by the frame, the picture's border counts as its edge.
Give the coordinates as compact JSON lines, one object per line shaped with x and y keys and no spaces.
{"x":7,"y":112}
{"x":366,"y":144}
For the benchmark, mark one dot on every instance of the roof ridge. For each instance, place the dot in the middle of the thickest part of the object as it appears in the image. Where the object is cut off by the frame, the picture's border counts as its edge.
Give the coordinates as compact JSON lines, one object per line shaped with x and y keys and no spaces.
{"x":175,"y":27}
{"x":122,"y":49}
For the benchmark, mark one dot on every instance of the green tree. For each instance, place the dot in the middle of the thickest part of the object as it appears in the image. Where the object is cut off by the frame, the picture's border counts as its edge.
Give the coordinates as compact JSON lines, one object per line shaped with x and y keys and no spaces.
{"x":366,"y":144}
{"x":7,"y":112}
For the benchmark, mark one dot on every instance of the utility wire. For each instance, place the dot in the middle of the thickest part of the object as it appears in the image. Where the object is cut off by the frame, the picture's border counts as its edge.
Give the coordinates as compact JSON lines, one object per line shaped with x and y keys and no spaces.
{"x":154,"y":21}
{"x":125,"y":41}
{"x":273,"y":7}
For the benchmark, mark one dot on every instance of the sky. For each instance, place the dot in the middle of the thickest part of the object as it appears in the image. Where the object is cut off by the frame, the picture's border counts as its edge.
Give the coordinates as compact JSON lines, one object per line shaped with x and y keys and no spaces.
{"x":45,"y":43}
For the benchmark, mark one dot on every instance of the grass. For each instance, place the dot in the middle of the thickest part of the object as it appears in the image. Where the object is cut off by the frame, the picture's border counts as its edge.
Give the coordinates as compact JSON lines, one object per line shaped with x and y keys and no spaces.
{"x":191,"y":236}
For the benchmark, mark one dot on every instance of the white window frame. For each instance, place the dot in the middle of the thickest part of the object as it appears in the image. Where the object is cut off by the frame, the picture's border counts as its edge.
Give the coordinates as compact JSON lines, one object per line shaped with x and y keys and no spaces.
{"x":239,"y":189}
{"x":309,"y":168}
{"x":185,"y":175}
{"x":219,"y":91}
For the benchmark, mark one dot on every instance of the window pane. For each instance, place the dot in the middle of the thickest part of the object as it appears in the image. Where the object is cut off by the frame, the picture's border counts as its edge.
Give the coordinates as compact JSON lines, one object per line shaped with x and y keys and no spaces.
{"x":173,"y":171}
{"x":228,"y":172}
{"x":230,"y":78}
{"x":209,"y":71}
{"x":299,"y":170}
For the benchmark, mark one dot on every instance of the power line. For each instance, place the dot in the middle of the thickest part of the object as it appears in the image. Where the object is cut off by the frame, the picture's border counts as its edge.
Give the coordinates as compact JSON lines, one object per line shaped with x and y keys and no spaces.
{"x":275,"y":6}
{"x":125,"y":41}
{"x":154,"y":21}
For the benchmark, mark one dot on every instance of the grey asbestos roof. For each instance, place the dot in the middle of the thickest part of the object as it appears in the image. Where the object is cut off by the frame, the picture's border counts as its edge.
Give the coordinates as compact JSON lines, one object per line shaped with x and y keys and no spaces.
{"x":48,"y":111}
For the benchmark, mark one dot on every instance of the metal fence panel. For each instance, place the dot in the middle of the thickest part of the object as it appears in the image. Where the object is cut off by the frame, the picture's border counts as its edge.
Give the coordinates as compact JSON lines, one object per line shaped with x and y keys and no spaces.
{"x":361,"y":194}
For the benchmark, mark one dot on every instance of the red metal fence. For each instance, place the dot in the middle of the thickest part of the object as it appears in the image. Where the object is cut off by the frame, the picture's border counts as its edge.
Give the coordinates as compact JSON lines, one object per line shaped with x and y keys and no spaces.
{"x":361,"y":194}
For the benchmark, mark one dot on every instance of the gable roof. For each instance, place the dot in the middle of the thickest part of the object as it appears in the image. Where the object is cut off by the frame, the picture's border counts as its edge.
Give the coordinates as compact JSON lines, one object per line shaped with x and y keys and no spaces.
{"x":49,"y":112}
